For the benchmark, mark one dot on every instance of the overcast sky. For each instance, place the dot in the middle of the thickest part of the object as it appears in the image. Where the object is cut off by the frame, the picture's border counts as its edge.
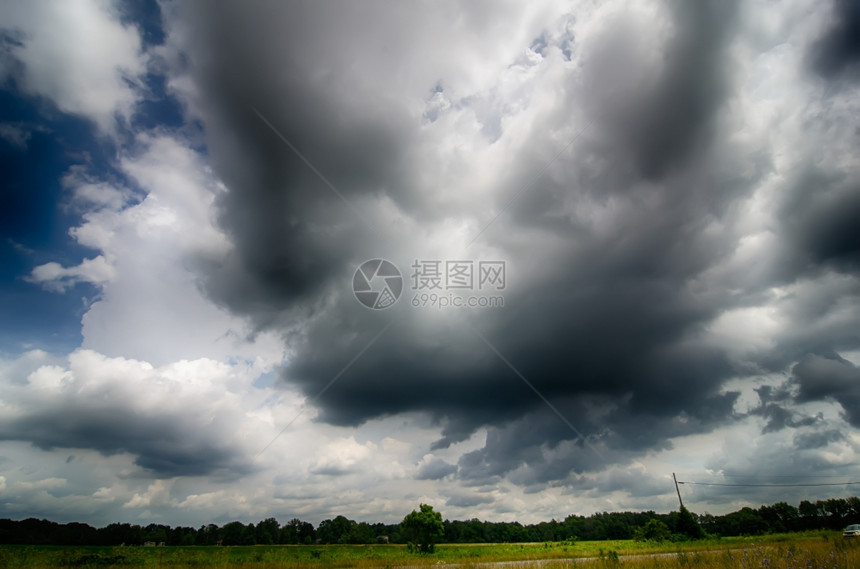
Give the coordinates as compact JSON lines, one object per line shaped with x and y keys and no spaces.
{"x":188,"y":190}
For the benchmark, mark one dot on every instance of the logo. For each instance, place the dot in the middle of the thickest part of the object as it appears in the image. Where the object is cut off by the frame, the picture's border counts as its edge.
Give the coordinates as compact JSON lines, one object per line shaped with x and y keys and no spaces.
{"x":377,"y":284}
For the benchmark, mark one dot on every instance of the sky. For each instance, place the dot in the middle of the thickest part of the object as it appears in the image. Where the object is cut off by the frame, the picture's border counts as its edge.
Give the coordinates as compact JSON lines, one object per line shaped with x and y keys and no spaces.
{"x":514,"y":260}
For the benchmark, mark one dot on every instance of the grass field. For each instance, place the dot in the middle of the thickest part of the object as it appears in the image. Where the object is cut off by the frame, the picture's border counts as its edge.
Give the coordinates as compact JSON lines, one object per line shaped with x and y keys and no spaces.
{"x":826,"y":550}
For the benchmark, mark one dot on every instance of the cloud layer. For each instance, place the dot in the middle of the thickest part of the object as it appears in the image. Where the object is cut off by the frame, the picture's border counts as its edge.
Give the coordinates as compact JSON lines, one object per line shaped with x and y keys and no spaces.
{"x":638,"y":222}
{"x":672,"y":188}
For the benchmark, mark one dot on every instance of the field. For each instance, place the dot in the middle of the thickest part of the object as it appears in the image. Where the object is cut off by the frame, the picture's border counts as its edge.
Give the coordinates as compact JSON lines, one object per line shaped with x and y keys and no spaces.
{"x":820,"y":550}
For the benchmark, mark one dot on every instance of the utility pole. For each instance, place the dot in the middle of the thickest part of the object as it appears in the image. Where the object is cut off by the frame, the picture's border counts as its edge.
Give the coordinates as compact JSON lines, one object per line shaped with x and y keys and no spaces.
{"x":677,"y":490}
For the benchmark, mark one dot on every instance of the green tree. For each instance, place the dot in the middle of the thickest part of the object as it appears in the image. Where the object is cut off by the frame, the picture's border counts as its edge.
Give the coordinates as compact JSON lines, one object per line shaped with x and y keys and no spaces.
{"x":810,"y":511}
{"x":336,"y":530}
{"x":236,"y":533}
{"x":267,"y":531}
{"x":688,"y":526}
{"x":424,"y":528}
{"x":361,"y":533}
{"x":297,"y":531}
{"x":654,"y":530}
{"x":780,"y":517}
{"x":155,"y":532}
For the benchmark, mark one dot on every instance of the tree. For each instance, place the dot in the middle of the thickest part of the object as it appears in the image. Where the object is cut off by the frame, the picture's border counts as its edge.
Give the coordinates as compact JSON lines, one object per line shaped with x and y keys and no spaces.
{"x":361,"y":533}
{"x":424,"y":528}
{"x":810,"y":512}
{"x":155,"y":532}
{"x":208,"y":535}
{"x":654,"y":530}
{"x":780,"y":517}
{"x":688,"y":526}
{"x":236,"y":533}
{"x":267,"y":531}
{"x":336,"y":530}
{"x":297,"y":531}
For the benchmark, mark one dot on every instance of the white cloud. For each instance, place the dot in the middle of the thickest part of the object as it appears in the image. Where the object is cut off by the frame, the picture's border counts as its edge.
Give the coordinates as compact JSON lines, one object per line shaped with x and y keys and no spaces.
{"x":158,"y":493}
{"x":342,"y":456}
{"x":91,"y":193}
{"x":150,"y":306}
{"x":104,"y":494}
{"x":78,"y":55}
{"x":44,"y":484}
{"x":56,"y":278}
{"x":155,"y":347}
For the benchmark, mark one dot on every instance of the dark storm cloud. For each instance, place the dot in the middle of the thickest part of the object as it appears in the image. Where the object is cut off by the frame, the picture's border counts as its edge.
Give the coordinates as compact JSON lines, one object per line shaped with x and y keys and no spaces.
{"x":818,"y":439}
{"x":160,"y":443}
{"x":832,"y":377}
{"x":468,"y":500}
{"x":604,"y":318}
{"x":773,"y":394}
{"x":616,"y":434}
{"x":636,"y":483}
{"x":830,"y":228}
{"x":838,"y":52}
{"x":293,"y":232}
{"x":435,"y":469}
{"x":780,"y":417}
{"x":776,"y":408}
{"x":630,"y":300}
{"x":819,"y":217}
{"x":672,"y":120}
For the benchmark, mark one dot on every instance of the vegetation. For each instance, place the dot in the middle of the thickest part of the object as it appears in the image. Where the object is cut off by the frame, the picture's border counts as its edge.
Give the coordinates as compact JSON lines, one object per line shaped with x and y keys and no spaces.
{"x":687,"y":525}
{"x":654,"y":530}
{"x":423,"y":528}
{"x":819,"y":550}
{"x":674,"y":526}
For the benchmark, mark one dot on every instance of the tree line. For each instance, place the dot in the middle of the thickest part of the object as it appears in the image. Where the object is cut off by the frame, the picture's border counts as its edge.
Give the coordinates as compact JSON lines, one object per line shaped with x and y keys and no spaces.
{"x":780,"y":517}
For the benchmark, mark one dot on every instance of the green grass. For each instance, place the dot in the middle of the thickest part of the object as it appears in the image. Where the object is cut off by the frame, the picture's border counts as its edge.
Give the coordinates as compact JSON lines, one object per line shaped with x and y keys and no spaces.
{"x":822,"y":550}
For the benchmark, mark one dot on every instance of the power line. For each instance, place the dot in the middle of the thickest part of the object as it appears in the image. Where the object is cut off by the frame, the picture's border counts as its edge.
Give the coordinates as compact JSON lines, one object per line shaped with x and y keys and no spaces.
{"x":770,"y":485}
{"x":783,"y":476}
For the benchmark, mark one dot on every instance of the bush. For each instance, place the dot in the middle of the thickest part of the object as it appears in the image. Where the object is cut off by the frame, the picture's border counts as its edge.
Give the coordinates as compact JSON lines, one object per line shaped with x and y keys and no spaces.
{"x":654,"y":530}
{"x":688,"y":526}
{"x":423,"y":529}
